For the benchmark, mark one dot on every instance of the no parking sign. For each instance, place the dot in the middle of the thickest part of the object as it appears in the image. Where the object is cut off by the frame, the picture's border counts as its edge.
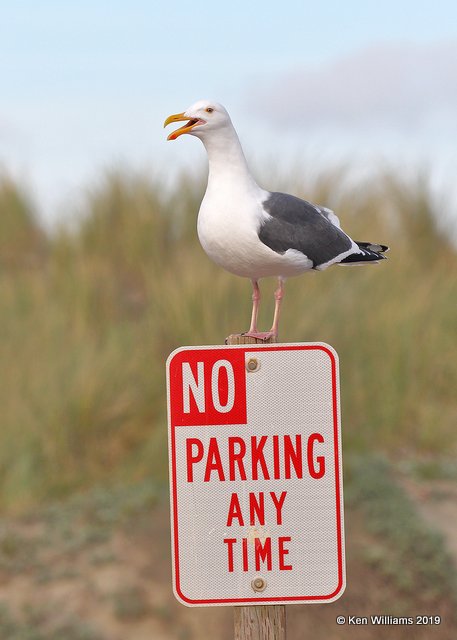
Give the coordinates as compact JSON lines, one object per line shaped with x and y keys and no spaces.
{"x":255,"y":474}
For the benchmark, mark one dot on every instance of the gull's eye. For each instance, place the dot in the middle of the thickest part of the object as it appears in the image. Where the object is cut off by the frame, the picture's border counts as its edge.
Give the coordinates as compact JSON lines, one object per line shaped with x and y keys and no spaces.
{"x":209,"y":109}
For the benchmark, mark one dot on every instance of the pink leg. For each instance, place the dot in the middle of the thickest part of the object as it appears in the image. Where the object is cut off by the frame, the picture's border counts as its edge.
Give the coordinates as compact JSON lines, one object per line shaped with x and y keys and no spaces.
{"x":255,"y":306}
{"x":253,"y":333}
{"x":279,"y":294}
{"x":273,"y":333}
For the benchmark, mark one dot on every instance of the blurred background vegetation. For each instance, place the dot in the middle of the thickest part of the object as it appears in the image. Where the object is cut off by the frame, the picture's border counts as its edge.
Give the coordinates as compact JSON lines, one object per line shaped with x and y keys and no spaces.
{"x":89,"y":312}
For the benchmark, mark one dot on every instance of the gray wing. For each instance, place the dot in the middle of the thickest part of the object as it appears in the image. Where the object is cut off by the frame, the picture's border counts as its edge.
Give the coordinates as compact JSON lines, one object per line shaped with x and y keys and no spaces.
{"x":305,"y":227}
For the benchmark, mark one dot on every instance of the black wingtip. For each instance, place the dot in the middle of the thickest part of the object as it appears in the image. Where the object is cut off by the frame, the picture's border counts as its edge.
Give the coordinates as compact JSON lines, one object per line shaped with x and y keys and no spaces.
{"x":369,"y":252}
{"x":373,"y":246}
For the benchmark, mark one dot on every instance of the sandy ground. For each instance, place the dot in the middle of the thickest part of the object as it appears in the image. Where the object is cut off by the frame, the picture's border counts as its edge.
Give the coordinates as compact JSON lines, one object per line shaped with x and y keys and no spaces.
{"x":72,"y":581}
{"x":436,"y":502}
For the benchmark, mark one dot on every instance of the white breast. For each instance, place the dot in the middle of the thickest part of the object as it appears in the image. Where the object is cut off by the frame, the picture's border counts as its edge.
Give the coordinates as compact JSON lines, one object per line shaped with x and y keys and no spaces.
{"x":228,"y":232}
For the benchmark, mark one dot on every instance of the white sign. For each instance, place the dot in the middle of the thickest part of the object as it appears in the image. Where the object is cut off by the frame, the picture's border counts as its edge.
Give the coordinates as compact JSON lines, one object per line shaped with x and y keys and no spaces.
{"x":255,"y":474}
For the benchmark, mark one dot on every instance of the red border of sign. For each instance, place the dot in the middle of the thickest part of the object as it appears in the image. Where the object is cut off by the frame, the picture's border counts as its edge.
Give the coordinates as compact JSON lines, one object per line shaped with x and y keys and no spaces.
{"x":339,"y":525}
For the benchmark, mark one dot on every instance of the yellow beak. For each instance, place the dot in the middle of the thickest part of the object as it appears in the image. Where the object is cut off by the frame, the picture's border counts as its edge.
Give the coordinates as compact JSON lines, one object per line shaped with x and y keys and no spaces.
{"x":178,"y":117}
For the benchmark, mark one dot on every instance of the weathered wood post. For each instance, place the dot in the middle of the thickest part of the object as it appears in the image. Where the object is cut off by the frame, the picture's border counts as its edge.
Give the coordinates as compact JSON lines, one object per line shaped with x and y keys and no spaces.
{"x":267,"y":622}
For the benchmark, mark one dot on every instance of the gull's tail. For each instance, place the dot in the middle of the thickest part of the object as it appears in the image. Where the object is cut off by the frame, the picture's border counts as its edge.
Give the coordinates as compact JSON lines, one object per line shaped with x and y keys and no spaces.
{"x":369,"y":252}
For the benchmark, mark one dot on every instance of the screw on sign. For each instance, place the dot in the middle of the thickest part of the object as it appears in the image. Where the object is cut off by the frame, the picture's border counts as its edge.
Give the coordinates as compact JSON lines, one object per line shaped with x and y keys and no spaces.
{"x":255,"y":473}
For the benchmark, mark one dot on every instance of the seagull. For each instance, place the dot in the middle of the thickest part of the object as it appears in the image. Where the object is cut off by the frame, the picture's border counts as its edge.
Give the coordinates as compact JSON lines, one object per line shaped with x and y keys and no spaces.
{"x":254,"y":233}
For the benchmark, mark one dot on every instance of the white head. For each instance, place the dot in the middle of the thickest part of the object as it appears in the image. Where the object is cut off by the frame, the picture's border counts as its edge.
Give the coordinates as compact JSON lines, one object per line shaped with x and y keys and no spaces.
{"x":203,"y":117}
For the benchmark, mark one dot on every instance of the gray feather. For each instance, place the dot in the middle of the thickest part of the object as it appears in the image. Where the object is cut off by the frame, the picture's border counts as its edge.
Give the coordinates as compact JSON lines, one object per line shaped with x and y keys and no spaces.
{"x":305,"y":227}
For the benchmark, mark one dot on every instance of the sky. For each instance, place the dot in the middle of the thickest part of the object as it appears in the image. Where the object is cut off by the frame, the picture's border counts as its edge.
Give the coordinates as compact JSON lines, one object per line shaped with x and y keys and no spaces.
{"x":86,"y":86}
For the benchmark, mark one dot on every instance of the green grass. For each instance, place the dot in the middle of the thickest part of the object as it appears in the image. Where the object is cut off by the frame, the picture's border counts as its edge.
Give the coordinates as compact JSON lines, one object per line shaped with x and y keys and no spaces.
{"x":405,"y":549}
{"x":89,"y":313}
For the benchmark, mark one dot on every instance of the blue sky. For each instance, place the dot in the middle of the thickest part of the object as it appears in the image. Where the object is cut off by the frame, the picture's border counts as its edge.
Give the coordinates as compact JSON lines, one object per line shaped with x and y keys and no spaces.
{"x":87,"y":85}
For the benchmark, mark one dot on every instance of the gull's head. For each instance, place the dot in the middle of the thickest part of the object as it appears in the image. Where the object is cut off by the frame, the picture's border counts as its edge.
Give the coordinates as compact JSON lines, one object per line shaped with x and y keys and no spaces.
{"x":202,"y":118}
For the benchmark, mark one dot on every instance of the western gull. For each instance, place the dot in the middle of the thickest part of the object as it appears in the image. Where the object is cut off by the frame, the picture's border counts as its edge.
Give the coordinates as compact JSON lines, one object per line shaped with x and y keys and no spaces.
{"x":256,"y":233}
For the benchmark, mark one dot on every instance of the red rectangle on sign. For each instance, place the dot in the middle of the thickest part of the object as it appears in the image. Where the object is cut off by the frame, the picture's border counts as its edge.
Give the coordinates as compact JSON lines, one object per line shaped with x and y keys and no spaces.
{"x":208,"y":387}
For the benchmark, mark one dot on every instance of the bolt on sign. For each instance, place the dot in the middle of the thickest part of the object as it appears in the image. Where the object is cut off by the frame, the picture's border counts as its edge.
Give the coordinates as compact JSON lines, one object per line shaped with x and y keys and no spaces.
{"x":255,"y":474}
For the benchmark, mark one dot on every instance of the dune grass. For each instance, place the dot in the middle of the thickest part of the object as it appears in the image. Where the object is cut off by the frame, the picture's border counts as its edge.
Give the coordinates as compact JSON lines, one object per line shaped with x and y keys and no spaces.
{"x":89,"y":313}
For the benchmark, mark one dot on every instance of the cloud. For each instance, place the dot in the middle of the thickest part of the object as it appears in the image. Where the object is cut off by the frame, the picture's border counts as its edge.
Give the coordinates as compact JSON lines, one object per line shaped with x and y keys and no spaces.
{"x":404,"y":86}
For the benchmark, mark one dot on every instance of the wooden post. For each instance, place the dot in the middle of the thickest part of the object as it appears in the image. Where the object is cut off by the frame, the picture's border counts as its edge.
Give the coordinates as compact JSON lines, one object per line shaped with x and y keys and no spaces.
{"x":263,"y":622}
{"x":239,"y":338}
{"x":266,"y":622}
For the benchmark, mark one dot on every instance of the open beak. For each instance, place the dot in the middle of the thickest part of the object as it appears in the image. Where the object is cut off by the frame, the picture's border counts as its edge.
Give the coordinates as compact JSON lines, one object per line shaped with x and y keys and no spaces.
{"x":178,"y":117}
